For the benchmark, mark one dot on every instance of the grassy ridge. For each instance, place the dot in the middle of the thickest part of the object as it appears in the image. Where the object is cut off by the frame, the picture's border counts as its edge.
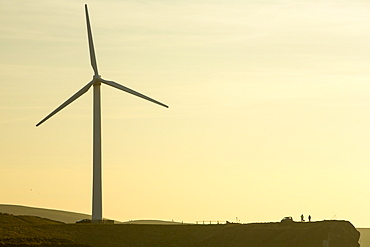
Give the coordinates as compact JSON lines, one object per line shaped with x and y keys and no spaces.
{"x":342,"y":233}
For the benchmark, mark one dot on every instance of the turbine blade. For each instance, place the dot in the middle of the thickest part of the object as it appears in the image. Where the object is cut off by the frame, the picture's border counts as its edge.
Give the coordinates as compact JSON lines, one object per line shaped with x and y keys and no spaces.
{"x":126,"y":89}
{"x":91,"y":43}
{"x":68,"y":101}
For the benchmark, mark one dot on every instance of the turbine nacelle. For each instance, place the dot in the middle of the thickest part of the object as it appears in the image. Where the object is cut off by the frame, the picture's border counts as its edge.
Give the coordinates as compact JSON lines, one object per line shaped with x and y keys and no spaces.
{"x":96,"y":80}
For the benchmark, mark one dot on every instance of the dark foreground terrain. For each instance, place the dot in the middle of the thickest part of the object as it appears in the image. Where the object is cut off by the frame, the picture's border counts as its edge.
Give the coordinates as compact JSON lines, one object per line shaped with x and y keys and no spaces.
{"x":35,"y":231}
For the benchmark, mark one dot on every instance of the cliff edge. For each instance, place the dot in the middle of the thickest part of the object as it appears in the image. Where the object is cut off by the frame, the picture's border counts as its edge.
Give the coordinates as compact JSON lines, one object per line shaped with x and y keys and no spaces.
{"x":299,"y":234}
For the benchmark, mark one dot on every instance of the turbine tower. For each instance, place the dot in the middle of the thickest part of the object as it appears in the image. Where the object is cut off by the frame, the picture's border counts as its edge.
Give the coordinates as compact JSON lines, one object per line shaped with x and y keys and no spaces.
{"x":97,"y":215}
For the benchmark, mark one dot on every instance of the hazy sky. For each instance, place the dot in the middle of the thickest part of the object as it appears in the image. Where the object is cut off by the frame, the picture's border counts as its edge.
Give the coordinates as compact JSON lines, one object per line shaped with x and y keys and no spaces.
{"x":269,"y":108}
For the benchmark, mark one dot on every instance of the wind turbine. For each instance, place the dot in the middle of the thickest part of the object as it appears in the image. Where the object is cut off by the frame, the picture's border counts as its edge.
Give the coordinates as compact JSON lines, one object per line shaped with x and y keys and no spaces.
{"x":97,"y":215}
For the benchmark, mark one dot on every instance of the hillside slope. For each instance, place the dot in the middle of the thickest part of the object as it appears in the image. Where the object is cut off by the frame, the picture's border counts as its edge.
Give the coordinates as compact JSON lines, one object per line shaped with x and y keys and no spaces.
{"x":58,"y":215}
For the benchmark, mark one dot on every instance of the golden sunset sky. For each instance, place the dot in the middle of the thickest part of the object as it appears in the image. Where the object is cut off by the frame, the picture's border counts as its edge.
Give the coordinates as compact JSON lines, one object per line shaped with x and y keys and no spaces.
{"x":269,"y":108}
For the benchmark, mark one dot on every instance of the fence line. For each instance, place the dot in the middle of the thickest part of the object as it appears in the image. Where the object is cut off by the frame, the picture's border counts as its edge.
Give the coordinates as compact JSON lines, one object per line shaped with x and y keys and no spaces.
{"x":209,"y":222}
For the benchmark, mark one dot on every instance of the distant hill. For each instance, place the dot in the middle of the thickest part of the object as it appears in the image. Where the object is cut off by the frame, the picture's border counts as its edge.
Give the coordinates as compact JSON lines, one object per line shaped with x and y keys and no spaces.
{"x":365,"y":237}
{"x":69,"y":217}
{"x":58,"y":215}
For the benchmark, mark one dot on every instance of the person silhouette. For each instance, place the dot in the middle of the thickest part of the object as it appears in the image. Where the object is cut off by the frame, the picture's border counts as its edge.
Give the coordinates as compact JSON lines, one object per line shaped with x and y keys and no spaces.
{"x":302,"y":218}
{"x":309,"y":218}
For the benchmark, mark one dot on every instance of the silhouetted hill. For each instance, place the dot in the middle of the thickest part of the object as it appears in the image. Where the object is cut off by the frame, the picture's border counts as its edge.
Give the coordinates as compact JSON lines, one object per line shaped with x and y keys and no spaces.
{"x":291,"y":234}
{"x":58,"y":215}
{"x":68,"y":217}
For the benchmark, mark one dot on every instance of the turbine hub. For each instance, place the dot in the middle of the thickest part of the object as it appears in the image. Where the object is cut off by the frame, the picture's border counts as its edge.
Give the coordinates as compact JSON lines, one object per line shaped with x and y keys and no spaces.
{"x":96,"y":79}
